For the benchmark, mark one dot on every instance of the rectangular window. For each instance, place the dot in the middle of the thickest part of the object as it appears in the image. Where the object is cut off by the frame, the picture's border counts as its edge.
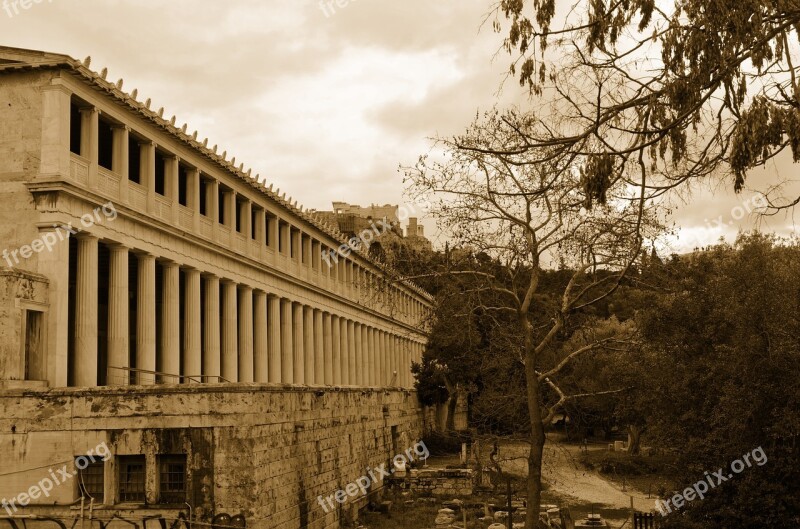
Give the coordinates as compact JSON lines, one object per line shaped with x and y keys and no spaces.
{"x":254,"y":223}
{"x":75,"y":129}
{"x":183,"y":185}
{"x":131,"y":478}
{"x":204,"y":186}
{"x":134,"y":160}
{"x":161,"y":173}
{"x":91,"y":481}
{"x":105,"y":145}
{"x":172,"y":479}
{"x":34,"y":357}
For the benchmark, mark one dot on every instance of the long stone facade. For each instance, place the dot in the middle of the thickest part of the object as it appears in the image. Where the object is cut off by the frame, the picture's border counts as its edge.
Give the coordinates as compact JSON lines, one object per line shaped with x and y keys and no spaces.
{"x":158,"y":299}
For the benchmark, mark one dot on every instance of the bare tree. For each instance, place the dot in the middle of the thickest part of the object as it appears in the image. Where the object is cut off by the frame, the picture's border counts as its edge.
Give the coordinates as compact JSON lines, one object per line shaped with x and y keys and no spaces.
{"x":528,"y":216}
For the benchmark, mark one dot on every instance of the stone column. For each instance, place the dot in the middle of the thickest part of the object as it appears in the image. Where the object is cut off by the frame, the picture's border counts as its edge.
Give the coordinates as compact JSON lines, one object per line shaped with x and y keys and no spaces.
{"x":55,"y":266}
{"x":89,"y":142}
{"x":394,"y":372}
{"x":356,"y":373}
{"x":119,"y":158}
{"x":260,"y":338}
{"x":373,"y":356}
{"x":86,"y":313}
{"x":230,"y":334}
{"x":344,"y":350}
{"x":284,"y":235}
{"x":147,"y":161}
{"x":298,"y":322}
{"x":336,"y":348}
{"x":274,"y":338}
{"x":287,"y":342}
{"x":366,"y":352}
{"x":169,"y":357}
{"x":212,"y":366}
{"x":317,"y":354}
{"x":354,"y":339}
{"x":146,"y":319}
{"x":118,"y":317}
{"x":193,"y":196}
{"x":327,"y":349}
{"x":192,"y":329}
{"x":246,"y":360}
{"x":309,"y":347}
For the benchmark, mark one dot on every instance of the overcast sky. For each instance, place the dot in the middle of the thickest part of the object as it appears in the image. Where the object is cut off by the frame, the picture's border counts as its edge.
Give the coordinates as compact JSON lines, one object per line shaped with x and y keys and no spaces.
{"x":324,"y":104}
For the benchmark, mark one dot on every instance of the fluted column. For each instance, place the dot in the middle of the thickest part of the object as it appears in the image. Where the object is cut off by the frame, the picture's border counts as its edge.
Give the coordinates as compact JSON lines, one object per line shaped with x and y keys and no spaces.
{"x":299,"y":343}
{"x":327,"y":349}
{"x":246,"y":360}
{"x":287,"y":342}
{"x":336,"y":348}
{"x":356,"y":377}
{"x":230,"y":332}
{"x":118,"y":317}
{"x":212,"y":366}
{"x":384,"y":349}
{"x":366,"y":351}
{"x":274,"y":338}
{"x":192,"y":328}
{"x":319,"y":349}
{"x":86,"y":313}
{"x":395,"y":372}
{"x":260,"y":338}
{"x":309,"y":347}
{"x":344,"y":346}
{"x":354,"y":339}
{"x":373,"y":356}
{"x":146,"y":318}
{"x":169,"y":357}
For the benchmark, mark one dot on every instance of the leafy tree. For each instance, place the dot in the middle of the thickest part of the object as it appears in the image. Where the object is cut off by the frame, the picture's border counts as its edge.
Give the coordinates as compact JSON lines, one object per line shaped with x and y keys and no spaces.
{"x":719,"y":376}
{"x":656,"y":93}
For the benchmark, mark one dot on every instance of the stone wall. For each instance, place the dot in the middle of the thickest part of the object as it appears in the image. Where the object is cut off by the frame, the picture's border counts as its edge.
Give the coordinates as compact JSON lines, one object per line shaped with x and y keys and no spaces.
{"x":264,"y":452}
{"x":438,"y":482}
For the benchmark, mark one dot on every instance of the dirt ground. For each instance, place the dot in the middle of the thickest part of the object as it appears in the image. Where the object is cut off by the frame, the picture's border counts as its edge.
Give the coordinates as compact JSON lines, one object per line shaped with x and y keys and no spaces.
{"x":569,"y":483}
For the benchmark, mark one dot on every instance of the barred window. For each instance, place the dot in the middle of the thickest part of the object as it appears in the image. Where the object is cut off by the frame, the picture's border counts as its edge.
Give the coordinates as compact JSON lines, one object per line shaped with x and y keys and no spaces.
{"x":131,"y":479}
{"x":172,"y":478}
{"x":90,"y":480}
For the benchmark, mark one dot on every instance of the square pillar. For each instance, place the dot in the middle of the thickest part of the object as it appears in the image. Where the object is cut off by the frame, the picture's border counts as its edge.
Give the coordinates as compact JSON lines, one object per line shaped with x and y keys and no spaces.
{"x":56,"y":110}
{"x":55,"y":266}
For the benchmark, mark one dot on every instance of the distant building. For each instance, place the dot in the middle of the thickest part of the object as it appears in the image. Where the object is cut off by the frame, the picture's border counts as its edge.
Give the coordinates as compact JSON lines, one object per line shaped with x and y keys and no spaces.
{"x":383,"y":221}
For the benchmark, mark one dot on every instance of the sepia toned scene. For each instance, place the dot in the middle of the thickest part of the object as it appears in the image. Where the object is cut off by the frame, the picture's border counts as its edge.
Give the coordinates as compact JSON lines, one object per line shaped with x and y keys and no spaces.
{"x":366,"y":264}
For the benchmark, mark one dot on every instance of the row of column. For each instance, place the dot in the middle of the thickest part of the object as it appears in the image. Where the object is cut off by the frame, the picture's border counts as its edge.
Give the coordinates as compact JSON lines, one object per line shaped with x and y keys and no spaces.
{"x":253,"y":217}
{"x":232,"y":334}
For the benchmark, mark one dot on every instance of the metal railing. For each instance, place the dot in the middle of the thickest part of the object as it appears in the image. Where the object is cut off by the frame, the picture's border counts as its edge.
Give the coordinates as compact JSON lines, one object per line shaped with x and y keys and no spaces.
{"x":143,"y":376}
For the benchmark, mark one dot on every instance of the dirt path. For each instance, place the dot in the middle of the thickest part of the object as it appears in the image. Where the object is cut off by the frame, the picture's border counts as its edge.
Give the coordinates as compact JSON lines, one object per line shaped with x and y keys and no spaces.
{"x":573,"y":484}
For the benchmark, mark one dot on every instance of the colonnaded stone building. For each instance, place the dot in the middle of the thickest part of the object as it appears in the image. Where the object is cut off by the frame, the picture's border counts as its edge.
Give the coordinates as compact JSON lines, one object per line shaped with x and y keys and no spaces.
{"x":161,"y":306}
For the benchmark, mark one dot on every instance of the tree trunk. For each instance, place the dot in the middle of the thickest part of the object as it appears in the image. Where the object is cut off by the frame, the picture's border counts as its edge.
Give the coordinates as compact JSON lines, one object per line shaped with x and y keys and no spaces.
{"x":634,"y":440}
{"x":452,"y":402}
{"x":537,"y":440}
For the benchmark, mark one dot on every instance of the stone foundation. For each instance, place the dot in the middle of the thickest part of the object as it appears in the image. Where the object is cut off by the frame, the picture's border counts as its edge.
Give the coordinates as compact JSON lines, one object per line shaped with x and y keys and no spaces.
{"x":263,"y":452}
